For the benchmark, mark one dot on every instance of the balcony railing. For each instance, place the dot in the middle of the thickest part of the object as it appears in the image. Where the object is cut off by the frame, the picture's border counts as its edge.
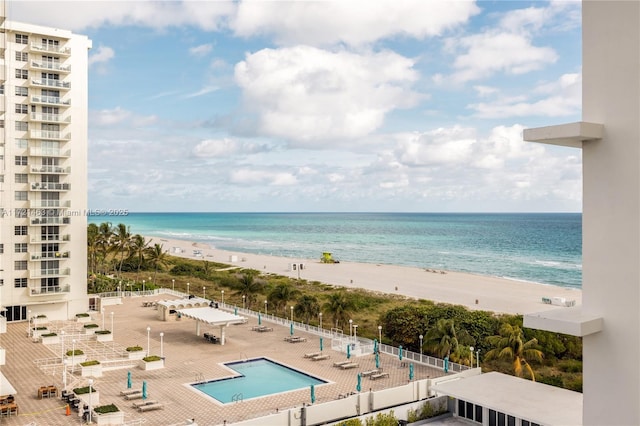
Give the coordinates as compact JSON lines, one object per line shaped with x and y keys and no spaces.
{"x":53,"y":100}
{"x":49,"y":134}
{"x":51,"y":82}
{"x":48,"y":152}
{"x":45,"y":291}
{"x":50,"y":255}
{"x":51,"y":238}
{"x":51,"y":221}
{"x":53,"y":272}
{"x":60,"y":50}
{"x":53,"y":118}
{"x":47,"y":65}
{"x":49,"y":204}
{"x":50,"y":169}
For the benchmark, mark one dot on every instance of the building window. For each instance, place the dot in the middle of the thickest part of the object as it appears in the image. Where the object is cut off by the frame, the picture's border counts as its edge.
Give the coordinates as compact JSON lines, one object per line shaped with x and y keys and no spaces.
{"x":21,"y":196}
{"x":20,"y":247}
{"x":2,"y":89}
{"x":1,"y":248}
{"x":50,"y":42}
{"x":20,"y":265}
{"x":20,"y":230}
{"x":22,"y":39}
{"x":22,"y":74}
{"x":22,"y":143}
{"x":21,"y":160}
{"x":22,"y":56}
{"x":22,"y":91}
{"x":20,"y":282}
{"x":22,"y":126}
{"x":22,"y":109}
{"x":22,"y":178}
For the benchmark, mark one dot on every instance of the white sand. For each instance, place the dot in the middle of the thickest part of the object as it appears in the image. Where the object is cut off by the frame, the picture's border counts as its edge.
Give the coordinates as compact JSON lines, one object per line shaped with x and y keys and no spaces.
{"x":472,"y":291}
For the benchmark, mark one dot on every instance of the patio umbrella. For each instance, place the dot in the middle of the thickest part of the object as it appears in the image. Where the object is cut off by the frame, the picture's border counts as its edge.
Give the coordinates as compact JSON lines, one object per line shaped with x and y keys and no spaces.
{"x":128,"y":379}
{"x":446,"y":364}
{"x":359,"y":385}
{"x":144,"y":389}
{"x":377,"y":360}
{"x":313,"y":394}
{"x":259,"y":319}
{"x":411,"y":371}
{"x":321,"y":344}
{"x":375,"y":346}
{"x":348,"y":351}
{"x":291,"y":329}
{"x":235,"y":310}
{"x":400,"y":353}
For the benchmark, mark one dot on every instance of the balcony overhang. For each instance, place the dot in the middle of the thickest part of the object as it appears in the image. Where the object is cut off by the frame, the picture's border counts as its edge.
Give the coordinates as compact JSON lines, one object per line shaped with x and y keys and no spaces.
{"x":571,"y":134}
{"x":572,"y":321}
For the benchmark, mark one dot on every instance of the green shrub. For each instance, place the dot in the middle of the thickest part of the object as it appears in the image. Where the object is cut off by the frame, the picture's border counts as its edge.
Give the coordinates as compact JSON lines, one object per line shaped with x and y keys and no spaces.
{"x":103,"y":332}
{"x":82,"y":315}
{"x":90,"y":363}
{"x":49,"y":335}
{"x":91,"y":325}
{"x":134,"y":348}
{"x":151,"y":358}
{"x":41,"y":316}
{"x":351,"y":422}
{"x":570,"y":366}
{"x":75,"y":352}
{"x":382,"y":419}
{"x":104,"y":409}
{"x":40,"y":328}
{"x":83,"y":390}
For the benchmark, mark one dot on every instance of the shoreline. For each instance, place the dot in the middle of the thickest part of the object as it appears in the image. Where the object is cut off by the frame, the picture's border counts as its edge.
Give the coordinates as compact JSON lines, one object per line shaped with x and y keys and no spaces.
{"x":476,"y":292}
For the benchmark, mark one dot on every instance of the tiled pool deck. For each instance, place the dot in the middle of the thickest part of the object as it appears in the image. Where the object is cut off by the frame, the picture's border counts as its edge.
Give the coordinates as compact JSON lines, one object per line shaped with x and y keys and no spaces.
{"x":188,"y":357}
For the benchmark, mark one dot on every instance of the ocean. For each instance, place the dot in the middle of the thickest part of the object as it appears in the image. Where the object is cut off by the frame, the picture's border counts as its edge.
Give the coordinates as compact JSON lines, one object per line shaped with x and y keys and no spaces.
{"x":536,"y":247}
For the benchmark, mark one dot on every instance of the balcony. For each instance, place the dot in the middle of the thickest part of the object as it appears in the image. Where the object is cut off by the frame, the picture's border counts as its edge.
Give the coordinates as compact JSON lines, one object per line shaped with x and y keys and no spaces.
{"x":53,"y":272}
{"x":48,"y":291}
{"x":50,"y":221}
{"x":51,"y":82}
{"x":49,"y":135}
{"x":50,"y":255}
{"x":50,"y":186}
{"x":50,"y":118}
{"x":46,"y":48}
{"x":50,"y":100}
{"x":51,"y":238}
{"x":57,"y":170}
{"x":49,"y":204}
{"x":48,"y":65}
{"x":48,"y":152}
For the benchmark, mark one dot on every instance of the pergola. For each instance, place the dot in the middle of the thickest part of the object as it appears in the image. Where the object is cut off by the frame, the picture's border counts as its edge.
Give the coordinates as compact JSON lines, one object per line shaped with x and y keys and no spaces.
{"x":212,"y":316}
{"x":166,"y":306}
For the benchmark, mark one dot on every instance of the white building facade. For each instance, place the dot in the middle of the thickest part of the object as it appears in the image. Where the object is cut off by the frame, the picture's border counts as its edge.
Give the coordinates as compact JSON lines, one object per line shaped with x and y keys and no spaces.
{"x":43,"y":171}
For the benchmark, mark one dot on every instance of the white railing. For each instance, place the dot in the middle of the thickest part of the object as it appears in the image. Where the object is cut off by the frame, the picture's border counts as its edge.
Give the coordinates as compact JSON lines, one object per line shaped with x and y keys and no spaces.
{"x":50,"y":100}
{"x":50,"y":65}
{"x":51,"y":82}
{"x":55,"y":204}
{"x":54,"y":118}
{"x":50,"y":48}
{"x":49,"y":134}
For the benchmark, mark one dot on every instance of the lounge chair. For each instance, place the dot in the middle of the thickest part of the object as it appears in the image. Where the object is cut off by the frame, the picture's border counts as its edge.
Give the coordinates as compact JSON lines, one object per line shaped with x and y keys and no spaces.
{"x":137,"y":395}
{"x":379,"y":376}
{"x":340,"y":363}
{"x":145,"y":402}
{"x":349,"y":365}
{"x":149,"y":407}
{"x":129,"y":391}
{"x":370,"y":372}
{"x":312,"y":354}
{"x":320,"y":357}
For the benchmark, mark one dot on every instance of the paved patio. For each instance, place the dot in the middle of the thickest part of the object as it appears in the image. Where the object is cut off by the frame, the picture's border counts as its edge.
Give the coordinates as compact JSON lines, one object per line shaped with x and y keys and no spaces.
{"x":189,"y":358}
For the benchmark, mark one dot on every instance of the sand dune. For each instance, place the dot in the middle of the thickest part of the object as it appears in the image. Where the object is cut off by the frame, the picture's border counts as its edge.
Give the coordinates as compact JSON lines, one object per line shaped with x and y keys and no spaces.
{"x":473,"y":291}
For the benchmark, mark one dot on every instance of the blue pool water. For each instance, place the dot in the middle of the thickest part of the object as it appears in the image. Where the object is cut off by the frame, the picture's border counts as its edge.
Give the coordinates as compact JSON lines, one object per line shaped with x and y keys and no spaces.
{"x":257,"y":377}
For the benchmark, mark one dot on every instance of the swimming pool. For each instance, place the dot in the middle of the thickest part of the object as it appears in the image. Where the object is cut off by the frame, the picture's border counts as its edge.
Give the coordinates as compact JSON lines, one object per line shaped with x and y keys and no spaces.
{"x":257,"y":377}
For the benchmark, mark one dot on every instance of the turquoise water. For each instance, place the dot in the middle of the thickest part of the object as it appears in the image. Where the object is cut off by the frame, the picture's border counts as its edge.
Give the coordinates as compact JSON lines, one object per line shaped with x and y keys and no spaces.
{"x":258,"y":377}
{"x":537,"y":247}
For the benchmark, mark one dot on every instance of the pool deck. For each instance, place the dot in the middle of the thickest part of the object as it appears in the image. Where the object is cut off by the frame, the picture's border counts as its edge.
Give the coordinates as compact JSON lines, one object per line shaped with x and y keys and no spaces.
{"x":189,"y":358}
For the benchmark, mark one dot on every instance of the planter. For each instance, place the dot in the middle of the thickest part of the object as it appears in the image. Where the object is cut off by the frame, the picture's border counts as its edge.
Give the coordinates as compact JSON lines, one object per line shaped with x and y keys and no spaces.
{"x":37,"y":333}
{"x":83,"y":319}
{"x":136,"y":355}
{"x":50,"y":340}
{"x":101,"y":337}
{"x":77,"y":359}
{"x":116,"y":418}
{"x":91,"y":370}
{"x":40,"y":320}
{"x":151,"y":365}
{"x":92,"y":398}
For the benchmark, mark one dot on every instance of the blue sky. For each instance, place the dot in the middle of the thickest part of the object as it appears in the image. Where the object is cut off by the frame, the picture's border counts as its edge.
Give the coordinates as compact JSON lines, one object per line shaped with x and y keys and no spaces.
{"x":414,"y":105}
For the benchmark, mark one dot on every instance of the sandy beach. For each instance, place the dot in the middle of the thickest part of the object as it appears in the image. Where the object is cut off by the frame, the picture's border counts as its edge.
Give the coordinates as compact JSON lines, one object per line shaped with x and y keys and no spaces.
{"x":473,"y":291}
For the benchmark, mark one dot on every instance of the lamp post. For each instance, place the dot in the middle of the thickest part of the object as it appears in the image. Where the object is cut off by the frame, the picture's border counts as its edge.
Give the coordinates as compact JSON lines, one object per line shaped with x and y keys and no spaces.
{"x":102,"y":312}
{"x":204,"y":292}
{"x":120,"y":289}
{"x":29,"y":324}
{"x":222,"y":293}
{"x":148,"y":341}
{"x":62,"y":348}
{"x":188,"y":289}
{"x":64,"y":373}
{"x":90,"y":398}
{"x":421,"y":337}
{"x":478,"y":358}
{"x":265,"y":307}
{"x":143,"y":285}
{"x":173,"y":285}
{"x":320,"y":315}
{"x":112,"y":330}
{"x":350,"y":328}
{"x":73,"y":353}
{"x":292,"y":314}
{"x":161,"y":345}
{"x":243,"y":301}
{"x":355,"y":332}
{"x":471,"y":356}
{"x":379,"y":334}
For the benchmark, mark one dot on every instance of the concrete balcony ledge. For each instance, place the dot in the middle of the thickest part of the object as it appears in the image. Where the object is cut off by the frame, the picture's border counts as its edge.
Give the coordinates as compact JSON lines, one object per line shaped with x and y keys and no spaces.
{"x":571,"y":134}
{"x":572,"y":321}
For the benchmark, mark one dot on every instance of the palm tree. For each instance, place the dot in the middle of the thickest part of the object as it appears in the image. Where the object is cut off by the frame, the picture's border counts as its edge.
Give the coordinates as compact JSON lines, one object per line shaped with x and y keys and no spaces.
{"x":249,"y":287}
{"x":157,"y":257}
{"x":105,"y":235}
{"x":443,"y":340}
{"x":510,"y":345}
{"x":122,"y":242}
{"x":139,"y":246}
{"x":280,"y":295}
{"x":92,"y":246}
{"x":339,"y":307}
{"x":307,"y":307}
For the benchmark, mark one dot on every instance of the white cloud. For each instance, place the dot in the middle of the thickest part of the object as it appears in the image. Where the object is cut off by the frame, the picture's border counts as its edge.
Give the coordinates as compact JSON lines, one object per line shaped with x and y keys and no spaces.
{"x":201,"y":50}
{"x":225,"y":147}
{"x":101,"y":55}
{"x":110,"y":117}
{"x":204,"y":91}
{"x":261,"y":177}
{"x":307,"y":94}
{"x":351,"y":22}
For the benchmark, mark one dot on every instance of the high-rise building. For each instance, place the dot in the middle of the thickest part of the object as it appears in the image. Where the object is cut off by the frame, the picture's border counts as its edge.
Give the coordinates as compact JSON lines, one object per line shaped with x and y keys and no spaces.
{"x":43,"y":171}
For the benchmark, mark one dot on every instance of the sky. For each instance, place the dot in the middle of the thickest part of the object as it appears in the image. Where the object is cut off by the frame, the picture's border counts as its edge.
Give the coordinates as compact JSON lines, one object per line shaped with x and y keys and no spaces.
{"x":345,"y":106}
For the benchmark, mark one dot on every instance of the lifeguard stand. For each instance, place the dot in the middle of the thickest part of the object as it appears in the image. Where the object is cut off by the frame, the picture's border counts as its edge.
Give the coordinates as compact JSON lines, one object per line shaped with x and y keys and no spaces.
{"x":326,"y":257}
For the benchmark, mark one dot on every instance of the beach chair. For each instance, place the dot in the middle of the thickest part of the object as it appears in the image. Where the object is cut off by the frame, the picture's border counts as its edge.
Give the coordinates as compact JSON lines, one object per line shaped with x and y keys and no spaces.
{"x":349,"y":365}
{"x":141,"y":403}
{"x":149,"y":407}
{"x":137,"y":395}
{"x":370,"y":373}
{"x":320,"y":357}
{"x":129,"y":392}
{"x":379,"y":376}
{"x":340,"y":363}
{"x":312,"y":354}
